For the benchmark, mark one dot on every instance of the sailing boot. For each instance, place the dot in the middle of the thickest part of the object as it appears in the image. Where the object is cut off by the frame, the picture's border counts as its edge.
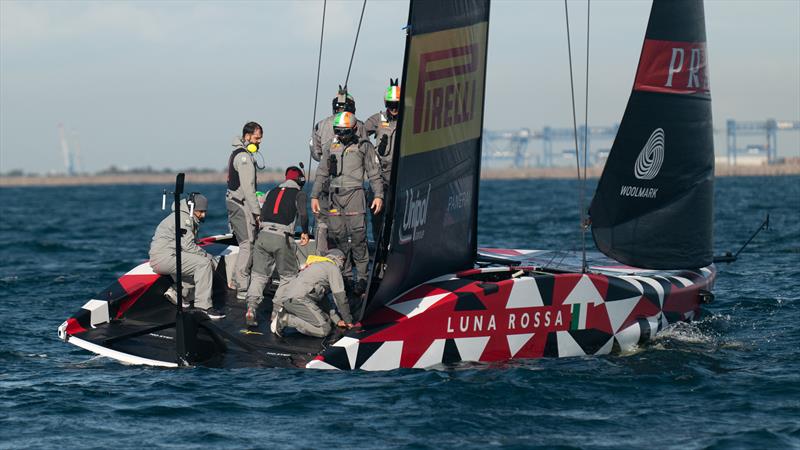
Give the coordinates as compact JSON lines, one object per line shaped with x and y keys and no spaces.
{"x":278,"y":323}
{"x":250,"y":317}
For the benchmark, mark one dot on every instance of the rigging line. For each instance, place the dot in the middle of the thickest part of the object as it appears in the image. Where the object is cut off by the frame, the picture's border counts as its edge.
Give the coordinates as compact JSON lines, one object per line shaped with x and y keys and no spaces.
{"x":358,"y":31}
{"x":316,"y":90}
{"x":585,"y":143}
{"x":574,"y":119}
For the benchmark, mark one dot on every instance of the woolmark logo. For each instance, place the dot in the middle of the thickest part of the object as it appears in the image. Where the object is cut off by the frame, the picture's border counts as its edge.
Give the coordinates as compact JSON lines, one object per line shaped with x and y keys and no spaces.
{"x":648,"y":164}
{"x":414,"y":216}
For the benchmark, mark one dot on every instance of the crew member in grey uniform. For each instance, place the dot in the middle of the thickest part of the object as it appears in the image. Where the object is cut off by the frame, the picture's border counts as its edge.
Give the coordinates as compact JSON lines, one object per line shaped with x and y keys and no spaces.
{"x":275,"y":247}
{"x":321,"y":138}
{"x":383,"y":126}
{"x":195,"y":262}
{"x":344,"y":167}
{"x":242,"y":204}
{"x":299,"y":304}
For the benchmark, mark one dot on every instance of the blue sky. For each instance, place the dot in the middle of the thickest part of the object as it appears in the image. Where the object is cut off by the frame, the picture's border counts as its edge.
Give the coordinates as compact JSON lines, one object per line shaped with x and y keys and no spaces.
{"x":169,"y":84}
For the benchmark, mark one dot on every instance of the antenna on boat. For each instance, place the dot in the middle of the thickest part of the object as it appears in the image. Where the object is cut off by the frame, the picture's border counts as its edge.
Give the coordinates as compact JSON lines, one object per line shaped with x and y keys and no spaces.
{"x":581,"y":180}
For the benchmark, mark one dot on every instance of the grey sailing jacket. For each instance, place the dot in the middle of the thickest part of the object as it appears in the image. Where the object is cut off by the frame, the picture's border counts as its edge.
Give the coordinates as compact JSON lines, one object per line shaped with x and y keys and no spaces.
{"x":163,"y":243}
{"x":245,"y":165}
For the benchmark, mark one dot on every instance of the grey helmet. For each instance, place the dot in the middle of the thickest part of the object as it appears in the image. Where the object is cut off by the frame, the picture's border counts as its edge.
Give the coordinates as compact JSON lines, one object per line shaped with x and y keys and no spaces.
{"x":337,"y":256}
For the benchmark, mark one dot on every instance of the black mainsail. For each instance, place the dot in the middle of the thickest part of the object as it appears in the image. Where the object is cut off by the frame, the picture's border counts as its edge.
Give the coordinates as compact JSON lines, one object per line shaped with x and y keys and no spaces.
{"x":653,"y":204}
{"x":431,"y":226}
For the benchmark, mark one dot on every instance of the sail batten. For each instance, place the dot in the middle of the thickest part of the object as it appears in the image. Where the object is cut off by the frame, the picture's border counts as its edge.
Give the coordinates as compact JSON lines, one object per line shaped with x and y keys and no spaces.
{"x":653,"y":204}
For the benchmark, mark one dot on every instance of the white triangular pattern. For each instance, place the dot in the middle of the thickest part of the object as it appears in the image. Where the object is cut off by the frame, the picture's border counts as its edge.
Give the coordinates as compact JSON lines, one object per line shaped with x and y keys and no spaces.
{"x":471,"y":348}
{"x":629,"y":337}
{"x":584,"y":292}
{"x":567,"y":345}
{"x":351,"y":347}
{"x":322,"y":365}
{"x":141,"y":269}
{"x":606,"y":348}
{"x":635,"y":282}
{"x":653,"y":321}
{"x":517,"y":341}
{"x":432,"y":356}
{"x":655,"y":285}
{"x":684,"y":281}
{"x":664,"y":321}
{"x":387,"y":357}
{"x":411,"y":308}
{"x":524,"y":294}
{"x":619,"y":310}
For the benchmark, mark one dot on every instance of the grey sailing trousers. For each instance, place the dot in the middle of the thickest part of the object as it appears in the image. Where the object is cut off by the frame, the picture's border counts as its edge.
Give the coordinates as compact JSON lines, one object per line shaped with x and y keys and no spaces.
{"x":244,"y":228}
{"x":199,"y":268}
{"x":272,"y":251}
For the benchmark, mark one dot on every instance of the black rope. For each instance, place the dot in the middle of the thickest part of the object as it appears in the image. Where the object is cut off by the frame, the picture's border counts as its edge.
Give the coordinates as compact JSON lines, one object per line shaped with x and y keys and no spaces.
{"x":574,"y":119}
{"x":585,"y":142}
{"x":352,"y":55}
{"x":316,"y":90}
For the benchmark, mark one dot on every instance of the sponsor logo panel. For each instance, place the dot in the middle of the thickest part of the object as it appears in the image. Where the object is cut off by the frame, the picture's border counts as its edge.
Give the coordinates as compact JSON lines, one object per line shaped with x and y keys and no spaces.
{"x":647,"y":166}
{"x":673,"y":68}
{"x":449,"y":205}
{"x":444,"y":91}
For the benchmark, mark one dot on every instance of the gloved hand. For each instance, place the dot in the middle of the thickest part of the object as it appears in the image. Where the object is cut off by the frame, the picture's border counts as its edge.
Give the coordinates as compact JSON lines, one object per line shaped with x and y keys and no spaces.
{"x":383,"y":144}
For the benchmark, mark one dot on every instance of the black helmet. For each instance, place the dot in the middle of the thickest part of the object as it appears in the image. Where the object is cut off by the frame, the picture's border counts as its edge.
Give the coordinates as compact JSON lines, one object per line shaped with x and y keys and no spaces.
{"x":343,"y":101}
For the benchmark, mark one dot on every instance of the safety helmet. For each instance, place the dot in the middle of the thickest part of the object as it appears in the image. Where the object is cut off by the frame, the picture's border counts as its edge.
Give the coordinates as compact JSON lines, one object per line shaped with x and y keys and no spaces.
{"x":198,"y":202}
{"x":392,"y":94}
{"x":392,"y":97}
{"x":337,"y":256}
{"x":343,"y":101}
{"x":295,"y":173}
{"x":344,"y":125}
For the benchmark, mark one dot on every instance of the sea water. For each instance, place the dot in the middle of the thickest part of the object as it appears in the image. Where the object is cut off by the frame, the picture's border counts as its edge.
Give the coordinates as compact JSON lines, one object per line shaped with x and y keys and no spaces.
{"x":729,"y":380}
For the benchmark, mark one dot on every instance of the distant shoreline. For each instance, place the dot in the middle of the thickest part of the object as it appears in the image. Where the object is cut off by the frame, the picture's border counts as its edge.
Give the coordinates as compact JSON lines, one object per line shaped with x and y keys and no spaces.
{"x":791,"y":168}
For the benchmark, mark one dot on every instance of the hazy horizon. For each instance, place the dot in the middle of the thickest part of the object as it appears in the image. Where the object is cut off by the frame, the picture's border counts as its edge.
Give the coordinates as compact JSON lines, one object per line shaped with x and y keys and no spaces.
{"x":169,"y":84}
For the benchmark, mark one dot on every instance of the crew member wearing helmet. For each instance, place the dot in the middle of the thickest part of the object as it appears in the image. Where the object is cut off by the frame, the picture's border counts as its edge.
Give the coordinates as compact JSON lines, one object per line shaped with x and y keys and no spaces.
{"x":322,"y":135}
{"x":321,"y":138}
{"x":298,"y":305}
{"x":242,"y":203}
{"x":382,"y":125}
{"x":342,"y":172}
{"x":195,"y":262}
{"x":275,"y":247}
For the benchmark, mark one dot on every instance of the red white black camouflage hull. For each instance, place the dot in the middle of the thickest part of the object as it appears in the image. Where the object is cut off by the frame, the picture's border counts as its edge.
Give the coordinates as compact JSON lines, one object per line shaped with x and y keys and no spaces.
{"x":486,"y":314}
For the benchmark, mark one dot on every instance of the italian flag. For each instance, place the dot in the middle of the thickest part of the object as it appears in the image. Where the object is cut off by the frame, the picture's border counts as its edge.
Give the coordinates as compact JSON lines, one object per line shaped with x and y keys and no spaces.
{"x":579,"y":312}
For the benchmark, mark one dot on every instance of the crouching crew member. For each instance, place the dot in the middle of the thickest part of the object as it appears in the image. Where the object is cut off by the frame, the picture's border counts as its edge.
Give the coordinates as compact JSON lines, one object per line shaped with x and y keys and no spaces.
{"x":195,"y":262}
{"x":242,"y":203}
{"x":342,"y":172}
{"x":299,"y":302}
{"x":275,"y":248}
{"x":383,"y":125}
